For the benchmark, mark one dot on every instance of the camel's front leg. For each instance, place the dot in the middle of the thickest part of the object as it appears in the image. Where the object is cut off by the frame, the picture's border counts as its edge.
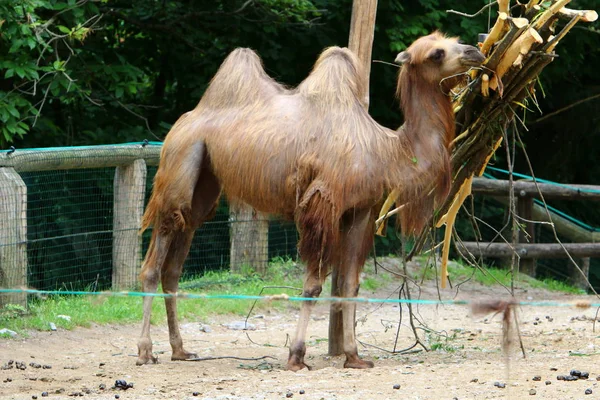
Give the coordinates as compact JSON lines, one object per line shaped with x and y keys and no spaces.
{"x":312,"y":289}
{"x":357,"y":242}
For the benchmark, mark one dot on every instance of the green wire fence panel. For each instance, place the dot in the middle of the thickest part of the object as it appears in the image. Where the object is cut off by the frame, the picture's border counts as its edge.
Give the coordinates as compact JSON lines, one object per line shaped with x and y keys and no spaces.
{"x":70,"y":220}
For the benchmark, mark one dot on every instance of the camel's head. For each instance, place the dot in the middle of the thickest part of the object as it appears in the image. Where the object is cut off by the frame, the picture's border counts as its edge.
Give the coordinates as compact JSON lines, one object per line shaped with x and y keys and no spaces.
{"x":435,"y":57}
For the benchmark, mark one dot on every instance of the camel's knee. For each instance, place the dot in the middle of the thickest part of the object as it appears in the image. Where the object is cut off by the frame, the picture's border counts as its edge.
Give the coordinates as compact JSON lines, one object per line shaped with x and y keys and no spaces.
{"x":149,"y":277}
{"x":312,"y":291}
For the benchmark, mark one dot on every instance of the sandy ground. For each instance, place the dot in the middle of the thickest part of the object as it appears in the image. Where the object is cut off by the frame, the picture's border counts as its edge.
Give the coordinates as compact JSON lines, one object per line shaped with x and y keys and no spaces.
{"x":468,"y":365}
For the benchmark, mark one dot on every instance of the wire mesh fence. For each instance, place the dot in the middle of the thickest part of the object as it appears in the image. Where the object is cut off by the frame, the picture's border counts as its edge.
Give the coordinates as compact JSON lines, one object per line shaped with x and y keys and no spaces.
{"x":70,"y":219}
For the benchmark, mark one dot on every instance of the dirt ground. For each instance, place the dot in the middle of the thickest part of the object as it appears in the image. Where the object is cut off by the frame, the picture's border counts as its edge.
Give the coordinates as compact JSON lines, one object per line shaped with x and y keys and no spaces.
{"x":468,"y":365}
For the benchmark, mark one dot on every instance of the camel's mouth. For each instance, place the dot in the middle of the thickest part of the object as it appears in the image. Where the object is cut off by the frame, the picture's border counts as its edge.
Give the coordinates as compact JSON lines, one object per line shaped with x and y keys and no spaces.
{"x":472,"y":57}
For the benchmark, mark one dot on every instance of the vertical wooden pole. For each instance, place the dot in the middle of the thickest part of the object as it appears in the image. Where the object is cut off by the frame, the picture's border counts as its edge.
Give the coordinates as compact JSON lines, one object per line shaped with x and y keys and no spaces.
{"x":362,"y":31}
{"x":525,"y":211}
{"x":13,"y":236}
{"x":129,"y":193}
{"x":249,"y":235}
{"x":578,"y":280}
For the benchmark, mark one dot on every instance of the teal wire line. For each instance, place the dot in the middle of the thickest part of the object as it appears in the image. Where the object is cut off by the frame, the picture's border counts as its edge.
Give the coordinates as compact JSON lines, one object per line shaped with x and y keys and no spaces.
{"x":290,"y":298}
{"x":539,"y":202}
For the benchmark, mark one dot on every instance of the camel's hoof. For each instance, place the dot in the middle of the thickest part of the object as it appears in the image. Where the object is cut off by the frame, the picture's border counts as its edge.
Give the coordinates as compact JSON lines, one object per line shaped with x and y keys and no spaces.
{"x":145,"y":359}
{"x":358,"y":364}
{"x":297,"y":366}
{"x":183,"y":356}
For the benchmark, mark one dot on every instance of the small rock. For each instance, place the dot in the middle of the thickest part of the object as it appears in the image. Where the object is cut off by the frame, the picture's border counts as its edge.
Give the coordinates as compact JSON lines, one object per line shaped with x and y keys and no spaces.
{"x":535,"y":323}
{"x":123,"y":385}
{"x":532,"y":392}
{"x":102,"y":386}
{"x":34,"y":397}
{"x":474,"y":380}
{"x":537,"y":378}
{"x":575,"y":372}
{"x":588,"y":391}
{"x":396,"y":386}
{"x":46,"y":366}
{"x":584,"y":375}
{"x":560,"y":378}
{"x":289,"y":395}
{"x":52,"y":326}
{"x":8,"y":380}
{"x":548,"y":383}
{"x":117,"y":396}
{"x":102,"y":364}
{"x":241,"y":326}
{"x":65,"y":317}
{"x":35,"y":365}
{"x":8,"y":332}
{"x":205,"y":329}
{"x":553,"y":369}
{"x":500,"y":385}
{"x":196,"y":394}
{"x":570,"y":378}
{"x":301,"y":391}
{"x":44,"y":394}
{"x":20,"y":365}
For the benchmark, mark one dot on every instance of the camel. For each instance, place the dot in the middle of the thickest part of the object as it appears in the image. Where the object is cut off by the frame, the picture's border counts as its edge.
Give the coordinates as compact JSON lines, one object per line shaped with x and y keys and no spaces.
{"x":312,"y":154}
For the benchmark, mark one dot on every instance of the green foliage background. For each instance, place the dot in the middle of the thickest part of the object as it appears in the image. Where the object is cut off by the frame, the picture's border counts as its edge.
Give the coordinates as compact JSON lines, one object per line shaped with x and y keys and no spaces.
{"x":83,"y":72}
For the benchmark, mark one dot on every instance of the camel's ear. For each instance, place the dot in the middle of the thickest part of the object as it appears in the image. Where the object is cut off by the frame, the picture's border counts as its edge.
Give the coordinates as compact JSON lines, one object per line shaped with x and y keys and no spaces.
{"x":402,"y":58}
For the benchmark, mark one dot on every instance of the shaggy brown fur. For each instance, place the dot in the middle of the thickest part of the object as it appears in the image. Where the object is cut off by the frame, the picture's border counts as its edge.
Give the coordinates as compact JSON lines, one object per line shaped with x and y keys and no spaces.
{"x":312,"y":154}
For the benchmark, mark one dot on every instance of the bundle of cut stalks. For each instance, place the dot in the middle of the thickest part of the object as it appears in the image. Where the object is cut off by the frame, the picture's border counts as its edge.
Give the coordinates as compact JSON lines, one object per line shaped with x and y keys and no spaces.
{"x":518,"y":47}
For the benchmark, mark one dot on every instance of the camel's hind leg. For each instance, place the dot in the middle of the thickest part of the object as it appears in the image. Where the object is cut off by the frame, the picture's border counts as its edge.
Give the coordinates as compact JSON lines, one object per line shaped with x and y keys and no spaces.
{"x":204,"y":205}
{"x":357,"y":239}
{"x":170,"y":244}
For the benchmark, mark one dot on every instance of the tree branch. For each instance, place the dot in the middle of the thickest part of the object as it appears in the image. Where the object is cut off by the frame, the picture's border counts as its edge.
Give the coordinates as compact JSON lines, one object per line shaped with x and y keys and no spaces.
{"x":565,"y":108}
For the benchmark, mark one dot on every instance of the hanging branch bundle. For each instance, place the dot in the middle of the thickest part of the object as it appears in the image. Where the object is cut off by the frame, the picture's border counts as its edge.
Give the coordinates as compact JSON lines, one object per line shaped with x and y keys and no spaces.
{"x":517,"y":48}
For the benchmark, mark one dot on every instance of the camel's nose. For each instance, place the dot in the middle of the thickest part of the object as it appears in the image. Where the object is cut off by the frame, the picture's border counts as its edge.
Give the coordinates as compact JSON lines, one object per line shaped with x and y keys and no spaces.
{"x":472,"y":56}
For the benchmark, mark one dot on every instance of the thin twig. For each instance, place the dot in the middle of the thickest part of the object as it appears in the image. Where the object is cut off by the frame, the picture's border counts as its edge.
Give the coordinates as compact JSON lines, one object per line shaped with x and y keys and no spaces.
{"x":462,"y":14}
{"x":565,"y":108}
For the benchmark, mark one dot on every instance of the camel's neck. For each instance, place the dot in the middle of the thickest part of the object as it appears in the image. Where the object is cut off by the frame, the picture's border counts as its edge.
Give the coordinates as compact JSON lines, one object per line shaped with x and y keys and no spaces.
{"x":428,"y":115}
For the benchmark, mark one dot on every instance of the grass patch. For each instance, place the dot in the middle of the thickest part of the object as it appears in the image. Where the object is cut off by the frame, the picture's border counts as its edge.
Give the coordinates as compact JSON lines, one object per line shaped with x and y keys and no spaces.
{"x":489,"y":276}
{"x":87,"y":310}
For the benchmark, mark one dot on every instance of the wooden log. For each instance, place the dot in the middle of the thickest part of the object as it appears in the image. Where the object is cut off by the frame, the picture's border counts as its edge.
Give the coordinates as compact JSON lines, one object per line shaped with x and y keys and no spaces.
{"x":550,"y":12}
{"x":13,"y":236}
{"x":249,"y":235}
{"x":129,"y":193}
{"x":496,"y":32}
{"x":531,"y":250}
{"x":80,"y":157}
{"x":495,"y":187}
{"x":514,"y":54}
{"x":585,"y":15}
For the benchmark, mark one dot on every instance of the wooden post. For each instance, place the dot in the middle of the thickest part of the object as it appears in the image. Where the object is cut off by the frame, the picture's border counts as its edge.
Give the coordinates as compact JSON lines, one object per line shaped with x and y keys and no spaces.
{"x":527,"y":235}
{"x":578,"y":280}
{"x":129,"y":193}
{"x":249,"y":235}
{"x":362,"y":31}
{"x":13,"y":236}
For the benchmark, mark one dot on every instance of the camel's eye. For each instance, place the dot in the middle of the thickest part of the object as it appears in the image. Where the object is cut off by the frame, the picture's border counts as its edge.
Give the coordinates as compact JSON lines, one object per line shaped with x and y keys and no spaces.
{"x":437,"y":55}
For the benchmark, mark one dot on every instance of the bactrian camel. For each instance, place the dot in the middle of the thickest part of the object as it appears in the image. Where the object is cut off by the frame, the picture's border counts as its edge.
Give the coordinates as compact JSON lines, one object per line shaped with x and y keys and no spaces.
{"x":312,"y":154}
